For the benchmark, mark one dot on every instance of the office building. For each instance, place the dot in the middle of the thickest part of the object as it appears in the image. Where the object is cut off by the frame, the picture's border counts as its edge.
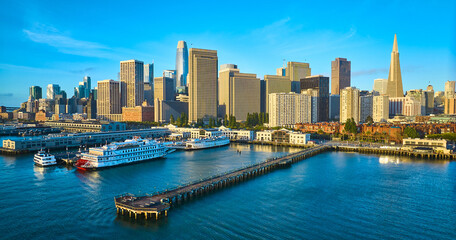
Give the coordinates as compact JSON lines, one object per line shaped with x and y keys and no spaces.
{"x":281,"y":72}
{"x":108,"y":97}
{"x":87,"y":81}
{"x":181,"y":64}
{"x":320,"y":83}
{"x":334,"y":107}
{"x":52,"y":90}
{"x":380,"y":108}
{"x":202,"y":84}
{"x":143,"y":113}
{"x":406,"y":106}
{"x":149,"y":74}
{"x":365,"y":105}
{"x":36,"y":92}
{"x":276,"y":84}
{"x":395,"y":78}
{"x":450,"y":106}
{"x":132,"y":83}
{"x":91,"y":107}
{"x":164,"y":88}
{"x":450,"y":87}
{"x":381,"y":86}
{"x":149,"y":93}
{"x":314,"y":97}
{"x":340,"y":75}
{"x":239,"y":93}
{"x":163,"y":110}
{"x":349,"y":104}
{"x":287,"y":109}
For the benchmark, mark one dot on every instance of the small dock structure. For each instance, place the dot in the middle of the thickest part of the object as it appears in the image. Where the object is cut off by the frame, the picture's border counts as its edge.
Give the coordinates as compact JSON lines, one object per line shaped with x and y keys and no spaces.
{"x":154,"y":206}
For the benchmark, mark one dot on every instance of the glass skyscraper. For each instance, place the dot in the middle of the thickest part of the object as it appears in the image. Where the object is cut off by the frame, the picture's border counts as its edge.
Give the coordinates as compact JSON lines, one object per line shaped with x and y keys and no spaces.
{"x":181,"y":64}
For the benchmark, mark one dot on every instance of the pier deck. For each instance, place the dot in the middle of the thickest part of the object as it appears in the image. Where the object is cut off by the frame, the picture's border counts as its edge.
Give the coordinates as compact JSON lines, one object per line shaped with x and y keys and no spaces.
{"x":159,"y":203}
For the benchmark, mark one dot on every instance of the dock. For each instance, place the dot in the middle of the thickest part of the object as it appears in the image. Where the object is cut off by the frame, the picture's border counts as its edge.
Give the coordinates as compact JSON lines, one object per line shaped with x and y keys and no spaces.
{"x":154,"y":206}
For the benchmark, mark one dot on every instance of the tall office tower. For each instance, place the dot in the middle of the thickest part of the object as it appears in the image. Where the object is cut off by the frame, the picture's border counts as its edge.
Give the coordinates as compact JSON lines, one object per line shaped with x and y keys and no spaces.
{"x":132,"y":83}
{"x":320,"y":83}
{"x":149,"y":93}
{"x":365,"y":105}
{"x":36,"y":92}
{"x":340,"y":75}
{"x":314,"y":96}
{"x":91,"y":107}
{"x":181,"y":64}
{"x":381,"y":86}
{"x":95,"y":93}
{"x":52,"y":90}
{"x":276,"y":84}
{"x":281,"y":71}
{"x":334,"y":107}
{"x":87,"y":86}
{"x":263,"y":96}
{"x":349,"y":104}
{"x":108,"y":97}
{"x":419,"y":95}
{"x":450,"y":106}
{"x":239,"y":93}
{"x":171,"y":74}
{"x":450,"y":89}
{"x":149,"y":73}
{"x":394,"y":77}
{"x":296,"y":71}
{"x":164,"y":88}
{"x":287,"y":109}
{"x":380,"y":108}
{"x":202,"y":84}
{"x":429,"y":97}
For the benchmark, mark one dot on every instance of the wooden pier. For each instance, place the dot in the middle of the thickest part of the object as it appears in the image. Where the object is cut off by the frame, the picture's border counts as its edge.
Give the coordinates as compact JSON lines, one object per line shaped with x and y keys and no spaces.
{"x":396,"y":152}
{"x":156,"y":205}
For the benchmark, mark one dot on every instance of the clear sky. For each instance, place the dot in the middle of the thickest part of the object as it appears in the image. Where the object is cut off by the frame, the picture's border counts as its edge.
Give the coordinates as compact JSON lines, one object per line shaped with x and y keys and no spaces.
{"x":45,"y":42}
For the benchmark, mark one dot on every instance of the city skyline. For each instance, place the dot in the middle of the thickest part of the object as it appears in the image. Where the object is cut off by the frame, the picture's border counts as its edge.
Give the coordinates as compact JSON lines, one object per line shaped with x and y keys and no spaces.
{"x":61,"y":55}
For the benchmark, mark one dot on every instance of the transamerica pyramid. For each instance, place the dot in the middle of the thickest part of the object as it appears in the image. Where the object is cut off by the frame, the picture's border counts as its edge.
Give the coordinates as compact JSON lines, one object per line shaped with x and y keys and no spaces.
{"x":394,"y":77}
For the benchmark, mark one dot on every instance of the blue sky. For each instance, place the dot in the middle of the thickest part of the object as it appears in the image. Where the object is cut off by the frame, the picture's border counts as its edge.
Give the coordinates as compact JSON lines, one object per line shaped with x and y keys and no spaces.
{"x":45,"y":42}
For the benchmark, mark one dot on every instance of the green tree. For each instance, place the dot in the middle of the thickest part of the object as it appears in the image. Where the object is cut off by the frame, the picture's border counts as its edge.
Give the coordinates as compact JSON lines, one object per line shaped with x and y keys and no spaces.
{"x":350,"y":126}
{"x":211,"y":123}
{"x":369,"y":120}
{"x":410,"y":132}
{"x":171,"y":119}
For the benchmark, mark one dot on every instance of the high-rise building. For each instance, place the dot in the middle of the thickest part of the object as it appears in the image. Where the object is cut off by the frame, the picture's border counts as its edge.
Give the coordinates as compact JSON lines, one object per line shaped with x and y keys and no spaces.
{"x":164,"y":88}
{"x":239,"y":93}
{"x":420,"y":96}
{"x":149,"y":73}
{"x":365,"y":105}
{"x":381,"y":86}
{"x":313,"y":93}
{"x":334,"y":107}
{"x":380,"y":108}
{"x":320,"y":83}
{"x":108,"y":97}
{"x":407,"y":106}
{"x":87,"y":86}
{"x":149,"y":93}
{"x":450,"y":87}
{"x":395,"y":78}
{"x":439,"y":97}
{"x":36,"y":92}
{"x":281,"y":71}
{"x":450,"y":106}
{"x":132,"y":83}
{"x":276,"y":84}
{"x":297,"y":70}
{"x":181,"y":64}
{"x":349,"y":104}
{"x":91,"y":107}
{"x":287,"y":109}
{"x":202,"y":84}
{"x":340,"y":75}
{"x":52,"y":90}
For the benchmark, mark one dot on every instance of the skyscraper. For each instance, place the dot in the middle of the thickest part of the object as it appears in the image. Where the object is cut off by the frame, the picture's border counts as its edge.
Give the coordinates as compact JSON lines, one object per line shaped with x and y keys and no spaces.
{"x":275,"y":84}
{"x":381,"y":86}
{"x":349,"y":104}
{"x":320,"y":83}
{"x":52,"y":90}
{"x":36,"y":92}
{"x":394,"y":78}
{"x":202,"y":85}
{"x":287,"y":109}
{"x":164,"y":88}
{"x":87,"y":86}
{"x":365,"y":105}
{"x":149,"y":73}
{"x":340,"y":75}
{"x":132,"y":83}
{"x":239,"y":93}
{"x":108,"y":97}
{"x":181,"y":64}
{"x":450,"y":87}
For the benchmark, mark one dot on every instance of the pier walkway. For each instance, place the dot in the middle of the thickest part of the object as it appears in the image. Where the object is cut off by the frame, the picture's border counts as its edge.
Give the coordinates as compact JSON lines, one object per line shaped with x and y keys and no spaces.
{"x":156,"y":205}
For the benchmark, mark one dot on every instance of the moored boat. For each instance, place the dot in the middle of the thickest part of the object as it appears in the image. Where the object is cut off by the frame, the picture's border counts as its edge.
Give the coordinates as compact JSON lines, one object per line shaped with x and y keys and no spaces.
{"x":120,"y":153}
{"x":44,"y":159}
{"x":209,"y":142}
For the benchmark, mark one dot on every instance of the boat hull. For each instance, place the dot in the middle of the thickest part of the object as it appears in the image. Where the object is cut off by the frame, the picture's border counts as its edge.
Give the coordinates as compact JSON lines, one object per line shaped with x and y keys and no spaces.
{"x":80,"y":164}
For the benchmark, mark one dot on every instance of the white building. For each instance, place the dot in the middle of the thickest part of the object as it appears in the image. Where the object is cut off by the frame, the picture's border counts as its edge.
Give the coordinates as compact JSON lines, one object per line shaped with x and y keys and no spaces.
{"x":265,"y":136}
{"x":406,"y":106}
{"x":299,"y":138}
{"x":380,"y":86}
{"x":380,"y":108}
{"x":450,"y":88}
{"x":287,"y":109}
{"x":235,"y":134}
{"x":349,"y":104}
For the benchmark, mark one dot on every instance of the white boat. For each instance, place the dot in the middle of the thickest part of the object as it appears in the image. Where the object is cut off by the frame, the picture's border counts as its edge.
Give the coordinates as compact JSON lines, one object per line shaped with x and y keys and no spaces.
{"x":119,"y":153}
{"x":44,"y":159}
{"x":201,"y":143}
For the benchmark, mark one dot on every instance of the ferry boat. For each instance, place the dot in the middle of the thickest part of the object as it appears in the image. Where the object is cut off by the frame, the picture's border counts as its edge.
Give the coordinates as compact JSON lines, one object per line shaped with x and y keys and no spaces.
{"x":119,"y":153}
{"x":44,"y":159}
{"x":202,"y":143}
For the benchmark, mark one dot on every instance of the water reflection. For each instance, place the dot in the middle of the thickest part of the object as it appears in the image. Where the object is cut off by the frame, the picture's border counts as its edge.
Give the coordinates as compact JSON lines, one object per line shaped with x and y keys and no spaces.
{"x":387,"y":159}
{"x":90,"y":178}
